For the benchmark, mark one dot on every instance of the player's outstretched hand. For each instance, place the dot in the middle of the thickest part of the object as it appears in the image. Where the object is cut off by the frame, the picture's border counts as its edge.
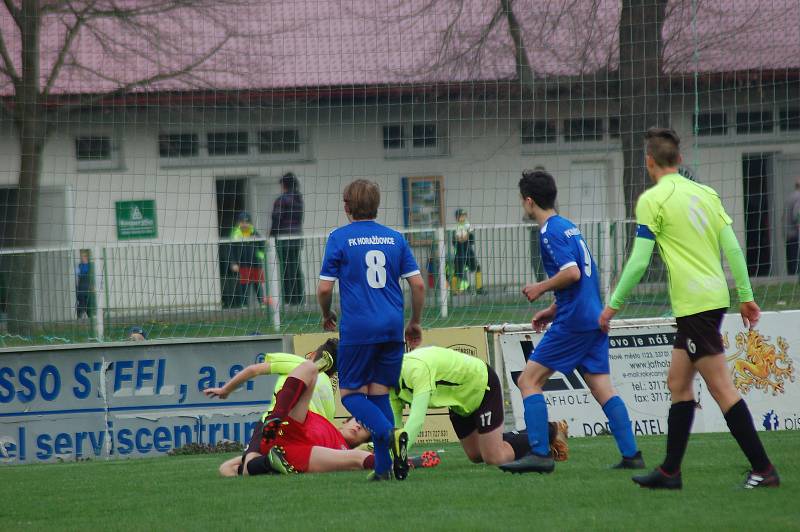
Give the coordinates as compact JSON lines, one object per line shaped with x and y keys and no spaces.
{"x":750,"y":314}
{"x":216,"y":392}
{"x":542,"y":318}
{"x":533,"y":291}
{"x":329,"y":322}
{"x":605,"y":318}
{"x":413,"y":335}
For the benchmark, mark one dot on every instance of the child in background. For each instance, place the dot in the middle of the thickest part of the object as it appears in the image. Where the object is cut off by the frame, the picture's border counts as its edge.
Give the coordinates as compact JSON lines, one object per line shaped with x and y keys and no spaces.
{"x":464,"y":244}
{"x":83,"y":285}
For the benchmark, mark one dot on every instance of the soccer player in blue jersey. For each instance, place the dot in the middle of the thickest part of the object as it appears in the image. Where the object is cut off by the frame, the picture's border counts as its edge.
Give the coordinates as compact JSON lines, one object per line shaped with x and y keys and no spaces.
{"x":369,"y":259}
{"x":574,"y":339}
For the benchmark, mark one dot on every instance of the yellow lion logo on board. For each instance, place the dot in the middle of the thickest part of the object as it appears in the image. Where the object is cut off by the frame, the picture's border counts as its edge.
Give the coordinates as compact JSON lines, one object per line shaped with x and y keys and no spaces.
{"x":756,"y":360}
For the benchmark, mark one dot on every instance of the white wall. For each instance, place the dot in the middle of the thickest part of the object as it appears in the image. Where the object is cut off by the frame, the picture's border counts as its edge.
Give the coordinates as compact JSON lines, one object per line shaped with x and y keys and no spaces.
{"x":480,"y":171}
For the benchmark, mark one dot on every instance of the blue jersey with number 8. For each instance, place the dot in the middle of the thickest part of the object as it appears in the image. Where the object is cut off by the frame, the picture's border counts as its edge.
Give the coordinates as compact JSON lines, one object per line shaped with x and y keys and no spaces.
{"x":562,"y":246}
{"x":368,"y":259}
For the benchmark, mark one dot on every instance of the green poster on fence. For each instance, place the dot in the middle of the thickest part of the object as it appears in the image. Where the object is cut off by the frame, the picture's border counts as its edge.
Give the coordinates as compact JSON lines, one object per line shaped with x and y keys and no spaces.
{"x":136,"y":219}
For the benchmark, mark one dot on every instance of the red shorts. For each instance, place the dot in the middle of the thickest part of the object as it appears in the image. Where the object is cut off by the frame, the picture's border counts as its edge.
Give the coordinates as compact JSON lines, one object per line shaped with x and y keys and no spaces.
{"x":297,"y":439}
{"x":250,"y":274}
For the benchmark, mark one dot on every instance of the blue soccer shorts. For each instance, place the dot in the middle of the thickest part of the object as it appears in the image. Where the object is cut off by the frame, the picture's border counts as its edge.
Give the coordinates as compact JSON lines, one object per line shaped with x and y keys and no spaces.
{"x":359,"y":365}
{"x":563,"y":350}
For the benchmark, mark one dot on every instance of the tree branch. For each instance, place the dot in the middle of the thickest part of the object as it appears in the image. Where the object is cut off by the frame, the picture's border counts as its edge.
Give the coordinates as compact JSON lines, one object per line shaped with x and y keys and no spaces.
{"x":7,"y":67}
{"x":72,"y":31}
{"x":523,"y":64}
{"x":14,"y":10}
{"x":89,"y":100}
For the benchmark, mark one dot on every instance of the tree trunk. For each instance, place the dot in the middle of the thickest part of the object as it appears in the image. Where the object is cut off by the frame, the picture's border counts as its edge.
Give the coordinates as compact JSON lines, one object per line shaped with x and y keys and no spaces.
{"x":20,"y":290}
{"x":31,"y":123}
{"x":642,"y":102}
{"x":523,"y":64}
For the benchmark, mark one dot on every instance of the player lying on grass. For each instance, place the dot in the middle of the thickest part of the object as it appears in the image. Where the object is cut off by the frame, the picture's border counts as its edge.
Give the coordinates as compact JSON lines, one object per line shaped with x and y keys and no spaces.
{"x":292,"y":437}
{"x":282,"y":364}
{"x":444,"y":378}
{"x":574,"y":340}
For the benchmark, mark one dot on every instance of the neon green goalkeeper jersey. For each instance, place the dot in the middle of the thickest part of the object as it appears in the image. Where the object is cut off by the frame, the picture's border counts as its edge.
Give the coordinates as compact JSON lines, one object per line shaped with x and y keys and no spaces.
{"x":453,"y":380}
{"x":322,"y":400}
{"x":686,"y":219}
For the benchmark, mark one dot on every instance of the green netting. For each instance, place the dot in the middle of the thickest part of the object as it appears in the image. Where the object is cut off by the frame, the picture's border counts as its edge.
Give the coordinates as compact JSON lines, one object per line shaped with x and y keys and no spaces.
{"x":139,"y":135}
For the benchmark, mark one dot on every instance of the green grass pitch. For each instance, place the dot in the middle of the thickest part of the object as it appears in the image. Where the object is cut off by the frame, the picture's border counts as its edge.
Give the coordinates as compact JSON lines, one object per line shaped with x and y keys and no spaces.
{"x":185,"y":493}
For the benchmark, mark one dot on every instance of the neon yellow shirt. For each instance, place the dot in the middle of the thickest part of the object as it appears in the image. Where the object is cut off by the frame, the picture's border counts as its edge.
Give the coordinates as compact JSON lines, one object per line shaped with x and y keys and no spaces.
{"x":322,"y":400}
{"x":440,"y":378}
{"x":687,"y":219}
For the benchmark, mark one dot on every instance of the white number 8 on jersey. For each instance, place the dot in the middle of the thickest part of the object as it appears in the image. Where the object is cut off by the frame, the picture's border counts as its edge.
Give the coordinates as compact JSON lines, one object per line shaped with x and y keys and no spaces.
{"x":376,"y":272}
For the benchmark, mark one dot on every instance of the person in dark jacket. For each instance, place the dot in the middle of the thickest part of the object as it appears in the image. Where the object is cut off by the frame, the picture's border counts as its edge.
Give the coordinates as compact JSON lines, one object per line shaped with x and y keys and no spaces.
{"x":287,"y":226}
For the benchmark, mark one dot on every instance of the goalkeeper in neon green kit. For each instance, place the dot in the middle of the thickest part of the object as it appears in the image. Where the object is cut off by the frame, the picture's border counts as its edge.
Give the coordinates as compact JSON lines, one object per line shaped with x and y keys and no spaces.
{"x":440,"y":377}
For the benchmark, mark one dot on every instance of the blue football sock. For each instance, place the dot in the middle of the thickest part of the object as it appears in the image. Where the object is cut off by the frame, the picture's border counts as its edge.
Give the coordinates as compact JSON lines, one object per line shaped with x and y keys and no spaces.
{"x":620,"y":425}
{"x":373,"y":420}
{"x":382,"y":402}
{"x":536,"y":422}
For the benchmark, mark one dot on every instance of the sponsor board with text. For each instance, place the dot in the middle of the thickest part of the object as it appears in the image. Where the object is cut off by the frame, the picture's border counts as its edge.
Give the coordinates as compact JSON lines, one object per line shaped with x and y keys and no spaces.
{"x":126,"y":399}
{"x":762,"y":363}
{"x":639,"y":359}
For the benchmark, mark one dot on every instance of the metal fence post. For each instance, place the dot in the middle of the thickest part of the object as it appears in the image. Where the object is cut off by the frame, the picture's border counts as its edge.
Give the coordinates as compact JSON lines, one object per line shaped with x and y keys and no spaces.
{"x":274,"y":290}
{"x":99,"y":292}
{"x":605,"y":261}
{"x":441,"y":249}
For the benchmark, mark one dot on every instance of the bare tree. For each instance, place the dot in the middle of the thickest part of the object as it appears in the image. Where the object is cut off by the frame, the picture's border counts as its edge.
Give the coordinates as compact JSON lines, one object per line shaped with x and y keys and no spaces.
{"x":152,"y":34}
{"x":603,"y":48}
{"x":642,"y":101}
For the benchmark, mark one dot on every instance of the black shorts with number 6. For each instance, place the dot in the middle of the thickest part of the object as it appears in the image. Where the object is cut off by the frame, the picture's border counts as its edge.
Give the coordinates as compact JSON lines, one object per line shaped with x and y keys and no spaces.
{"x":489,"y":414}
{"x":699,"y":334}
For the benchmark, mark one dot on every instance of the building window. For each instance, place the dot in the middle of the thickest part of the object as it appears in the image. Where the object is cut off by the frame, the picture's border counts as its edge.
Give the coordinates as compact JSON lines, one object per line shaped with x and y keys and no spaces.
{"x":279,"y":141}
{"x":93,"y":148}
{"x":423,"y":135}
{"x":711,"y":124}
{"x":97,"y":152}
{"x":790,"y":119}
{"x":754,"y":122}
{"x":178,"y":145}
{"x":228,"y":143}
{"x":614,"y":127}
{"x":538,"y":132}
{"x":393,"y":137}
{"x":413,"y":140}
{"x":583,"y":129}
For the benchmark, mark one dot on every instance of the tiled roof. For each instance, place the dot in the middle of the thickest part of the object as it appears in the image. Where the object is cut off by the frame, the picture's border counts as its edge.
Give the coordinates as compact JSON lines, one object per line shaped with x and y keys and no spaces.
{"x":324,"y":43}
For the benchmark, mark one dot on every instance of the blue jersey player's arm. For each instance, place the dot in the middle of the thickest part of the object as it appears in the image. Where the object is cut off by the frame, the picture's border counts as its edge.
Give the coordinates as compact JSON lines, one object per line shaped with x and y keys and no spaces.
{"x":327,"y":278}
{"x":410,"y":272}
{"x":563,"y":255}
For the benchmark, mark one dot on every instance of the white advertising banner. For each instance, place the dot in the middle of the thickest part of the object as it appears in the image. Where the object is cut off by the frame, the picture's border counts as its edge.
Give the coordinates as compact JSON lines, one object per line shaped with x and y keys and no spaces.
{"x":639,"y":356}
{"x":762,"y":366}
{"x":128,"y":399}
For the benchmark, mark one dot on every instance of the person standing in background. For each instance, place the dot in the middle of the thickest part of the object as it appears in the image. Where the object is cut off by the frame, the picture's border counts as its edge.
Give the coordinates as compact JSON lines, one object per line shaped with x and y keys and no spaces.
{"x":793,"y":230}
{"x":83,"y":284}
{"x":247,"y":259}
{"x":465,"y":260}
{"x":287,"y":220}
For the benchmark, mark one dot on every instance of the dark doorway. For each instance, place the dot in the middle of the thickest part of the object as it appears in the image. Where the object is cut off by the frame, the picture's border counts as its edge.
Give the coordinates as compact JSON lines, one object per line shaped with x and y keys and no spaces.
{"x":231,"y":200}
{"x":757,"y":175}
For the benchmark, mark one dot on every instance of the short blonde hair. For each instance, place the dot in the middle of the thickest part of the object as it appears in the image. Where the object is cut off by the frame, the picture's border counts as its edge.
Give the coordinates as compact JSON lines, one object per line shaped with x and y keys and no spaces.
{"x":362,"y":198}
